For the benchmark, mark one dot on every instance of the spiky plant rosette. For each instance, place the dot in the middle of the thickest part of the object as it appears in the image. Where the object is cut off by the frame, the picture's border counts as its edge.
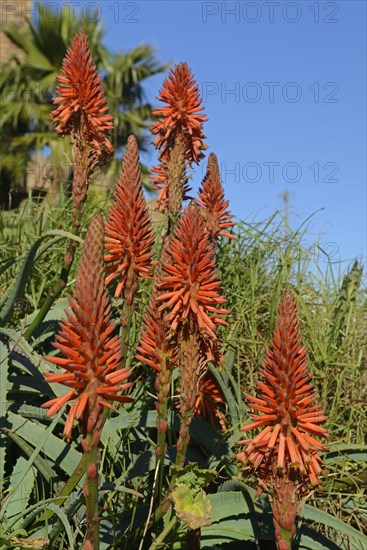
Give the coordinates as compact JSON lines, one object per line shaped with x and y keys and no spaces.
{"x":86,"y":339}
{"x":215,"y":211}
{"x":81,"y":104}
{"x":286,"y":410}
{"x":129,"y":234}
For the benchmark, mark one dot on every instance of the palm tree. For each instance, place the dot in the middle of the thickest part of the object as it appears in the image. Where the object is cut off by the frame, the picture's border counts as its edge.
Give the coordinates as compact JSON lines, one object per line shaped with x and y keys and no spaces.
{"x":27,"y":86}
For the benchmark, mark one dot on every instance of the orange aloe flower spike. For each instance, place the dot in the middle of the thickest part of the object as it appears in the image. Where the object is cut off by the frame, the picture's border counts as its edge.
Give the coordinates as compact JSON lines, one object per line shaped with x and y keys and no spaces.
{"x":154,"y":349}
{"x":211,"y":196}
{"x":286,"y":399}
{"x":209,"y":398}
{"x":81,"y":104}
{"x":179,"y":138}
{"x":129,"y":234}
{"x":284,"y":454}
{"x":90,"y":350}
{"x":181,"y":117}
{"x":189,"y":284}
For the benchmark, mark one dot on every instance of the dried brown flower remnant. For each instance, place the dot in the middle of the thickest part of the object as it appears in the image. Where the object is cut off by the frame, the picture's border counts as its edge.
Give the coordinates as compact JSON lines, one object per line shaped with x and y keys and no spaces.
{"x":159,"y":178}
{"x":285,"y":454}
{"x":129,"y":234}
{"x":170,"y":170}
{"x":190,"y":282}
{"x":181,"y":118}
{"x":91,"y":353}
{"x":82,"y":108}
{"x":211,"y":196}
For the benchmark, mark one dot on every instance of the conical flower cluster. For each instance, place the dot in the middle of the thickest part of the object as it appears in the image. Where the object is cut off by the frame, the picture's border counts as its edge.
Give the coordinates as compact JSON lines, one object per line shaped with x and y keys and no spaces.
{"x":129,"y":234}
{"x":286,"y":409}
{"x":179,"y":137}
{"x":181,"y":118}
{"x":190,"y":285}
{"x":156,"y":351}
{"x":211,"y":196}
{"x":154,"y":348}
{"x":82,"y":108}
{"x":91,"y":351}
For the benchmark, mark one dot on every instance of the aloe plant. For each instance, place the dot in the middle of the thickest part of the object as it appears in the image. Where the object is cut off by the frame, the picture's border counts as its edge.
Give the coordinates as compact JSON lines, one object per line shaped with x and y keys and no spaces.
{"x":156,"y":318}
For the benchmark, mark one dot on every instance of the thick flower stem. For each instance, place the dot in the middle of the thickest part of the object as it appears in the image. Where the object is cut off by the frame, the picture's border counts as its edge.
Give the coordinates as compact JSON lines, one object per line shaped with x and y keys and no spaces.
{"x":177,"y":181}
{"x":160,"y":539}
{"x":285,"y":540}
{"x":189,"y":373}
{"x":161,"y":448}
{"x":91,"y":495}
{"x":284,"y":507}
{"x":193,"y":539}
{"x":183,"y":440}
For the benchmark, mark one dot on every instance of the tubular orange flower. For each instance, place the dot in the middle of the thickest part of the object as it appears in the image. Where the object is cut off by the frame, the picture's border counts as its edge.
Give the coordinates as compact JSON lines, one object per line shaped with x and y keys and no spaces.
{"x":159,"y":178}
{"x":189,"y":281}
{"x":82,"y":108}
{"x":154,"y":348}
{"x":211,"y":197}
{"x":91,"y":353}
{"x":290,"y":416}
{"x":179,"y":138}
{"x":156,"y":351}
{"x":180,"y":118}
{"x":208,"y":397}
{"x":129,"y":234}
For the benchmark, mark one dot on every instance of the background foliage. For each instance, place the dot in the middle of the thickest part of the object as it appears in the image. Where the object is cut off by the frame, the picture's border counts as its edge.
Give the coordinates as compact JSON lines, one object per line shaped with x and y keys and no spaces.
{"x":27,"y":83}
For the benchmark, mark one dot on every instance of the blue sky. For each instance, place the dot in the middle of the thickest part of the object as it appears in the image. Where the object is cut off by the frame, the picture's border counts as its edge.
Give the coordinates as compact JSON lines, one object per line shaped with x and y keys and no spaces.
{"x":284,"y":89}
